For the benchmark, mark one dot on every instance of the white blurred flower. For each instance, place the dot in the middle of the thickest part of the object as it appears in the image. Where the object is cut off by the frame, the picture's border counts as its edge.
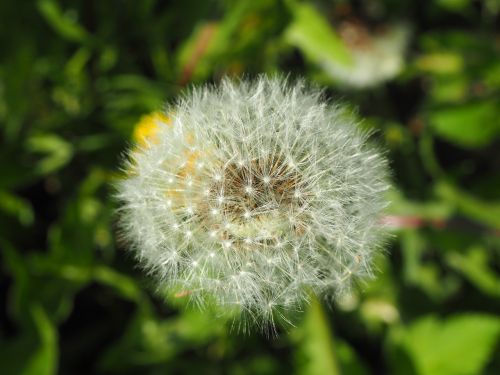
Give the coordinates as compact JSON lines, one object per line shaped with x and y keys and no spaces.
{"x":253,"y":194}
{"x":376,"y":57}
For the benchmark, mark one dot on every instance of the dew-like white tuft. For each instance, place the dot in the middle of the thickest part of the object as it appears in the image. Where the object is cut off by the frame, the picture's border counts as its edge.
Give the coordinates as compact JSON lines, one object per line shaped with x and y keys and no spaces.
{"x":253,"y":195}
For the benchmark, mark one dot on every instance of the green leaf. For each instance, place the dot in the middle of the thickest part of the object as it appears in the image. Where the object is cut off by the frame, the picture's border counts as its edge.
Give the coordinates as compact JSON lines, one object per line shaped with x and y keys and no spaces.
{"x":429,"y":210}
{"x":469,"y":125}
{"x":150,"y":340}
{"x":349,"y":362}
{"x":316,"y":352}
{"x":487,"y":213}
{"x":458,"y":345}
{"x":44,"y":360}
{"x":58,"y":152}
{"x":315,"y":37}
{"x":123,"y":284}
{"x":215,"y":43}
{"x":440,"y":63}
{"x":419,"y":272}
{"x":62,"y":22}
{"x":450,"y":89}
{"x":35,"y":350}
{"x":207,"y":41}
{"x":15,"y":265}
{"x":127,"y":91}
{"x":454,"y":5}
{"x":17,"y":207}
{"x":475,"y":266}
{"x":76,"y":64}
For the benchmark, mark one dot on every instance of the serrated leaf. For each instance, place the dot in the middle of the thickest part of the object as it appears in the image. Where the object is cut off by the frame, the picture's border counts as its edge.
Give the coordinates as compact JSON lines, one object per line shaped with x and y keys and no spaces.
{"x":469,"y":125}
{"x":458,"y":345}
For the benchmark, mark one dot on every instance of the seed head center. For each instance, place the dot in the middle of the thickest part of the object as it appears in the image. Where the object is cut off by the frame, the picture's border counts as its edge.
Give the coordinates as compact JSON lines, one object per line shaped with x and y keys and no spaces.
{"x":259,"y":200}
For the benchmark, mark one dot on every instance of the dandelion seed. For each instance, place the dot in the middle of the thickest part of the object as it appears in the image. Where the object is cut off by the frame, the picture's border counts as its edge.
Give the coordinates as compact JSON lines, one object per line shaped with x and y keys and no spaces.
{"x":278,"y":189}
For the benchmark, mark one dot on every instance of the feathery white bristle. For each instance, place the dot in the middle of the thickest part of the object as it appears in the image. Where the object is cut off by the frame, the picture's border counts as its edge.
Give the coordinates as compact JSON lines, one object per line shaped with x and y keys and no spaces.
{"x":257,"y":193}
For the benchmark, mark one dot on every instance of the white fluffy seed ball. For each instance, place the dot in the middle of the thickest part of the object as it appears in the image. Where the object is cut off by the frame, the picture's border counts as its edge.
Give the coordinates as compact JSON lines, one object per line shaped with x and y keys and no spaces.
{"x":253,"y":194}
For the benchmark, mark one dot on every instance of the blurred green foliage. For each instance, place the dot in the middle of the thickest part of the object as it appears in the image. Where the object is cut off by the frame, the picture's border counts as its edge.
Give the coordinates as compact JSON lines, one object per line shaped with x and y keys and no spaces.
{"x":75,"y":76}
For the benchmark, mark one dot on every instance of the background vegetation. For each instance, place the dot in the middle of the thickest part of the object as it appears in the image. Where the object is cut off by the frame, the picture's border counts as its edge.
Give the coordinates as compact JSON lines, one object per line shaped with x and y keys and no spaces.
{"x":75,"y":76}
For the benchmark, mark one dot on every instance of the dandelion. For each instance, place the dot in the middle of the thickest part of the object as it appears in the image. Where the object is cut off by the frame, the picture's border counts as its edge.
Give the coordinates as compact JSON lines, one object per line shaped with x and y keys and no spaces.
{"x":376,"y":56}
{"x":253,"y":195}
{"x":147,"y":128}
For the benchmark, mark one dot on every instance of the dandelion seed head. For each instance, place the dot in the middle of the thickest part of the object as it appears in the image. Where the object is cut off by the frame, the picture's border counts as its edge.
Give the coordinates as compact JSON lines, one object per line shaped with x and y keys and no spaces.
{"x":255,"y":193}
{"x":377,"y":56}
